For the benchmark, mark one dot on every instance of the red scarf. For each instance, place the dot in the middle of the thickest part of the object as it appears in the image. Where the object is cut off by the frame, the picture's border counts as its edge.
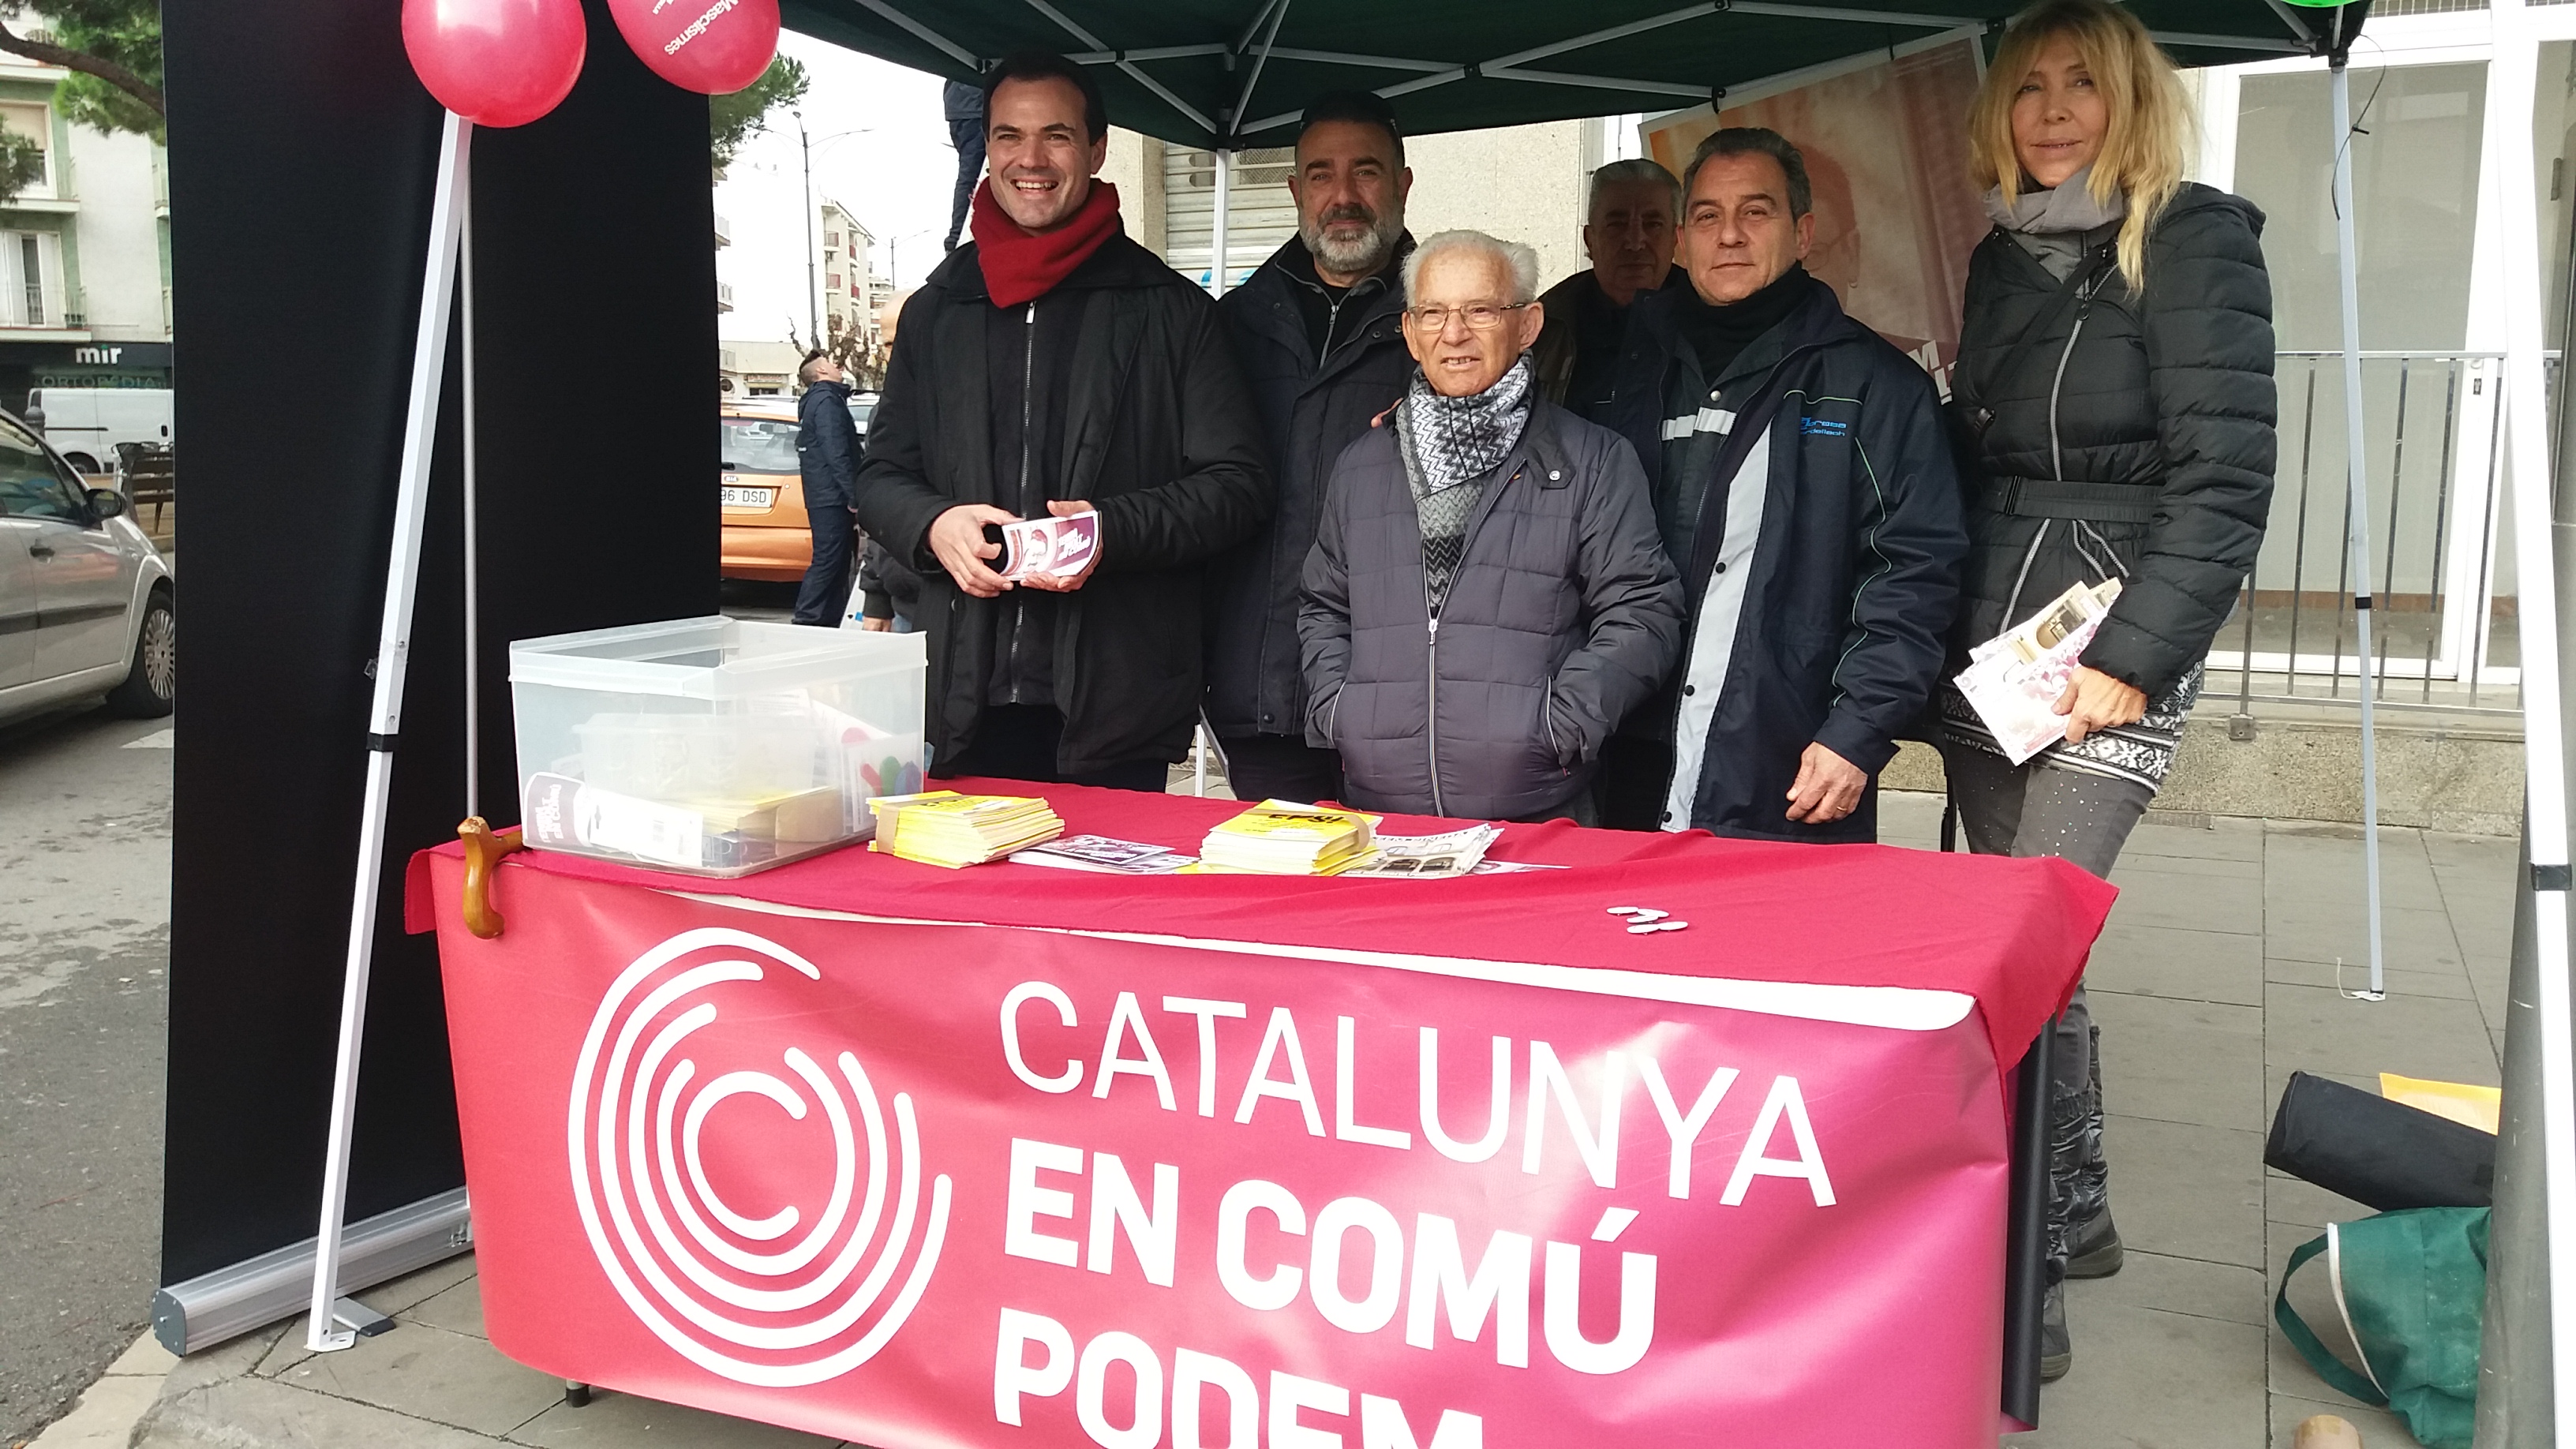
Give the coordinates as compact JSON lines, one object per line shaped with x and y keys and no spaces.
{"x":1022,"y":266}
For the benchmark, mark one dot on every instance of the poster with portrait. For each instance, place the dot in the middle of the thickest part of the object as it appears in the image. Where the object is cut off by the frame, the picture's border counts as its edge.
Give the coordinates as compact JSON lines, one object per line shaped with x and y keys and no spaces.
{"x":1886,"y":143}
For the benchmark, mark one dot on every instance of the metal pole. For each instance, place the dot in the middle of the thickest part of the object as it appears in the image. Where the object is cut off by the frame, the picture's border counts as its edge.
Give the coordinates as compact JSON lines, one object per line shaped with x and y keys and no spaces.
{"x":2511,"y":81}
{"x":1217,"y":237}
{"x":813,"y":283}
{"x":2357,"y":471}
{"x":473,"y":570}
{"x":393,"y":646}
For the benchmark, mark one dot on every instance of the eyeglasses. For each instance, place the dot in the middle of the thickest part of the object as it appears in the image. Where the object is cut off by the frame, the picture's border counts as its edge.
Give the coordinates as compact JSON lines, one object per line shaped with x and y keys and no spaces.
{"x":1479,"y":316}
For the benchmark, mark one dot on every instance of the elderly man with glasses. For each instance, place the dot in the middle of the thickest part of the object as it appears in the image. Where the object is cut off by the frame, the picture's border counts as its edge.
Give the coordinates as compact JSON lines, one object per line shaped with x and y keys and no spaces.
{"x":1487,"y":596}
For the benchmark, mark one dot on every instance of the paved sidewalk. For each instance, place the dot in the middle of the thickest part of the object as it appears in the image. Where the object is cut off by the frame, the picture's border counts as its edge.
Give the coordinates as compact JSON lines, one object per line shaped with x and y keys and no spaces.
{"x":2215,"y":981}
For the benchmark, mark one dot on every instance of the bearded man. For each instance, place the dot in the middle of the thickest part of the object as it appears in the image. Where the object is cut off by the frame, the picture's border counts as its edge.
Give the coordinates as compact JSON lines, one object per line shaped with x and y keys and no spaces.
{"x":1318,"y":331}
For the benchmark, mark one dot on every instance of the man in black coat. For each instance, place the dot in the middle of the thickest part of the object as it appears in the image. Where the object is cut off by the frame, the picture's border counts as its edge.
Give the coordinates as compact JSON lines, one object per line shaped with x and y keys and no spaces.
{"x":1804,"y":486}
{"x":1631,"y":223}
{"x":827,"y":458}
{"x":1318,"y":331}
{"x":1053,"y":367}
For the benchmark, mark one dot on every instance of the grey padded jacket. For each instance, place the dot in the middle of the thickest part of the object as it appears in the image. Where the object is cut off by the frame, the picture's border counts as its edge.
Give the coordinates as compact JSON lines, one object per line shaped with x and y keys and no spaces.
{"x":1565,"y":614}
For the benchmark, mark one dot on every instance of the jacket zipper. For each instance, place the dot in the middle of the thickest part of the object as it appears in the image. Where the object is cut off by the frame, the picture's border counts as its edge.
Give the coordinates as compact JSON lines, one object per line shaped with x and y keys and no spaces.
{"x":1431,"y":723}
{"x":2083,"y":308}
{"x":1028,"y":378}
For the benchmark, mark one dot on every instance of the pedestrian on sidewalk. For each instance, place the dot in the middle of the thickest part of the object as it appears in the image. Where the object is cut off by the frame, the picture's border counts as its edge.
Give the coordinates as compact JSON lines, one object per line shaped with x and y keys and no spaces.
{"x":2114,"y":392}
{"x":827,"y":461}
{"x":962,"y":103}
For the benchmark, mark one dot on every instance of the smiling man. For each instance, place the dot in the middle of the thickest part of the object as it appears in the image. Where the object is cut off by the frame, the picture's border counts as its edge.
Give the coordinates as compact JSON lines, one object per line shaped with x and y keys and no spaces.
{"x":1317,"y":330}
{"x":1486,"y":598}
{"x":1048,"y":368}
{"x":1804,"y":488}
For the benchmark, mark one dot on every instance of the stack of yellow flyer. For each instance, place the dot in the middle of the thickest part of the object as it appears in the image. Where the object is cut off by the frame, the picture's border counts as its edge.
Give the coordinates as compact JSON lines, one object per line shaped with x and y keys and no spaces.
{"x":943,"y":827}
{"x":1276,"y":837}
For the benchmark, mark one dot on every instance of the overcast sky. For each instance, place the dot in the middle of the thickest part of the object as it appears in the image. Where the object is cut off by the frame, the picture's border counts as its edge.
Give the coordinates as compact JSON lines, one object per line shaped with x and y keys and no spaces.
{"x":880,"y":148}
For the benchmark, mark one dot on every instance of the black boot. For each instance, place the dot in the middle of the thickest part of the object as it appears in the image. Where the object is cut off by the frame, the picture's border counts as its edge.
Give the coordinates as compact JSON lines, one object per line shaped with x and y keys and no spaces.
{"x":2056,"y":1346}
{"x":2093,"y":1242}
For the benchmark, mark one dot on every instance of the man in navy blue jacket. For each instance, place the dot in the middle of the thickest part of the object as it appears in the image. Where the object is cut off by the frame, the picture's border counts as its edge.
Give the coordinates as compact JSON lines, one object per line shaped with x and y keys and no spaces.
{"x":1804,"y":486}
{"x":827,"y":457}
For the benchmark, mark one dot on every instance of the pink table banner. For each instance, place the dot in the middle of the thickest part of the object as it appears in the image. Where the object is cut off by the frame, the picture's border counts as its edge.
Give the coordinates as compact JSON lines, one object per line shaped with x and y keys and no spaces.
{"x":927,"y":1183}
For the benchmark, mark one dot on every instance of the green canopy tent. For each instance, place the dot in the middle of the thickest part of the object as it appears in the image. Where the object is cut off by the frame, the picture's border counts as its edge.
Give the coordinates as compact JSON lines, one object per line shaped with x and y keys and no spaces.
{"x":1221,"y":74}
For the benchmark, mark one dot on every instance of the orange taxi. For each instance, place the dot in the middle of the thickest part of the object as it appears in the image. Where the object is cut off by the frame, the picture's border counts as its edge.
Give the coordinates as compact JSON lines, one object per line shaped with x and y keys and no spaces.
{"x":762,"y":497}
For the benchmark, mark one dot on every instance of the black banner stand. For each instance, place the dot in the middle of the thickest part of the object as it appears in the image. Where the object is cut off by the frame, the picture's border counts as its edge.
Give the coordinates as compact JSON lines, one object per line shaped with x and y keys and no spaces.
{"x":301,"y":168}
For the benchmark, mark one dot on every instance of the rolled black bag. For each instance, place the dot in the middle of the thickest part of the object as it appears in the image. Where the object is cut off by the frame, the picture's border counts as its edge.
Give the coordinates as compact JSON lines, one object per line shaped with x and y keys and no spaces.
{"x":2379,"y":1153}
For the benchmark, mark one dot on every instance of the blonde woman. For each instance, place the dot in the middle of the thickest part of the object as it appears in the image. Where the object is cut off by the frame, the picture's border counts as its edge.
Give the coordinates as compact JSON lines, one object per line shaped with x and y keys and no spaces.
{"x":2115,"y":391}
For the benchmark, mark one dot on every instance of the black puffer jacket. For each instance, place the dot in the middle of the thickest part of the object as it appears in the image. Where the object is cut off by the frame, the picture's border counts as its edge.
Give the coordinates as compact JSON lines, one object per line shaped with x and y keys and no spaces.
{"x":1157,"y":433}
{"x":1310,"y":409}
{"x":2136,"y":428}
{"x":1564,"y":615}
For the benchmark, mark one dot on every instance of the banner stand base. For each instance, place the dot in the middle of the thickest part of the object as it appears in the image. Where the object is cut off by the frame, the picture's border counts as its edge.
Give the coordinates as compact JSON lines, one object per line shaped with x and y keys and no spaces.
{"x":229,"y":1302}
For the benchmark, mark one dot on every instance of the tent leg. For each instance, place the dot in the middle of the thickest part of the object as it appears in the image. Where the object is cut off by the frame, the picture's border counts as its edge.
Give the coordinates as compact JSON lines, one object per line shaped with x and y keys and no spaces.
{"x":2542,"y":567}
{"x":1217,"y":237}
{"x":2357,"y":471}
{"x":393,"y":644}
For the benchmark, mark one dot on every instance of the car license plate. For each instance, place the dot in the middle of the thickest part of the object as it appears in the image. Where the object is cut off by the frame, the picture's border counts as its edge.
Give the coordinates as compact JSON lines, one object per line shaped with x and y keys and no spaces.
{"x":748,"y":497}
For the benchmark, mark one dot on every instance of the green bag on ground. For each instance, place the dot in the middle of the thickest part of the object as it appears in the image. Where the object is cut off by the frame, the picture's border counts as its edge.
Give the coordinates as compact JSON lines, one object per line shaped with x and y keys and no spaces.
{"x":2412,"y":1287}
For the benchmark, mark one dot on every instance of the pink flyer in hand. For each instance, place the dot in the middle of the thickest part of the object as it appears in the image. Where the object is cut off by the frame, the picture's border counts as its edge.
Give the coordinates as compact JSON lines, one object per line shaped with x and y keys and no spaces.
{"x":1060,"y":546}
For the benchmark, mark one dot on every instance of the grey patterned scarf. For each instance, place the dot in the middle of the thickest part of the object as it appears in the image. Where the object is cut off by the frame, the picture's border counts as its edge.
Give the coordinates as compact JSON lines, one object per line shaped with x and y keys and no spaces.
{"x":1448,"y":445}
{"x":1448,"y":440}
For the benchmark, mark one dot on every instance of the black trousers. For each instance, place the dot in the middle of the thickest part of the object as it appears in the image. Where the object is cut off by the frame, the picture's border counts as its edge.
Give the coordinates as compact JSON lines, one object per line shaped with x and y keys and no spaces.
{"x":826,"y":590}
{"x":1636,"y":778}
{"x":1018,"y":742}
{"x":1281,"y":767}
{"x":968,"y":138}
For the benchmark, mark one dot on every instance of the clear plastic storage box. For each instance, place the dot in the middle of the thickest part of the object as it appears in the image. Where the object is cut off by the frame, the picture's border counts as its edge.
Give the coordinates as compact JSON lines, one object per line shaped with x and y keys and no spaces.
{"x":715,"y":746}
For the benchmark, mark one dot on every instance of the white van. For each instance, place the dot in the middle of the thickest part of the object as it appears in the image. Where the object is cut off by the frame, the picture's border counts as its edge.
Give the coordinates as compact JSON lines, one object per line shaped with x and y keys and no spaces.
{"x":86,"y":423}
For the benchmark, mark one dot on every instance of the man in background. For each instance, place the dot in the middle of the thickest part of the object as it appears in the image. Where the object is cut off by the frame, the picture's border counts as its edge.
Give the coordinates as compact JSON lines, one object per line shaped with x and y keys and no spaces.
{"x":827,"y":458}
{"x":963,"y":104}
{"x":1632,"y":223}
{"x":1318,"y":329}
{"x":1053,"y":367}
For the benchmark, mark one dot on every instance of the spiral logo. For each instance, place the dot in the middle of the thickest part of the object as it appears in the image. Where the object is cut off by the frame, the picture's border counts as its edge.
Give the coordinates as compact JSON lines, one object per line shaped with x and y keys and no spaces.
{"x":740,"y":1295}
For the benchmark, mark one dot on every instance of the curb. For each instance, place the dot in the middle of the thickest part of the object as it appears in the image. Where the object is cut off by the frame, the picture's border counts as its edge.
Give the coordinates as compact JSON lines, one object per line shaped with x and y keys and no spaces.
{"x":107,"y":1412}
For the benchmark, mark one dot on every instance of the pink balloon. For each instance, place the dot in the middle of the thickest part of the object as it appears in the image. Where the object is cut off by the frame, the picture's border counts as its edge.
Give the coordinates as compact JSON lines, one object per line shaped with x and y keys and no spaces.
{"x":711,"y":46}
{"x":496,"y":62}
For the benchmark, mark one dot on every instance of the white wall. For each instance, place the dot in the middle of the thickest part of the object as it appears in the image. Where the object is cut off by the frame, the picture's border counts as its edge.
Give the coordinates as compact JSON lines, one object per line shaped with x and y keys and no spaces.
{"x":1520,"y":183}
{"x":118,"y":234}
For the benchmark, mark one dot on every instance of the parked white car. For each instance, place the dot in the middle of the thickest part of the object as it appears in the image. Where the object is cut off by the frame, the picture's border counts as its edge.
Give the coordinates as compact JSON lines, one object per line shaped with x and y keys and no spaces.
{"x":85,"y":424}
{"x":88,"y":607}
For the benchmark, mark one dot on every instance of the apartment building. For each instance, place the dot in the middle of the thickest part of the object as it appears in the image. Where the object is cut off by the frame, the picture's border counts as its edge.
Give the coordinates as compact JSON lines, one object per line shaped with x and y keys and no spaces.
{"x":84,"y":252}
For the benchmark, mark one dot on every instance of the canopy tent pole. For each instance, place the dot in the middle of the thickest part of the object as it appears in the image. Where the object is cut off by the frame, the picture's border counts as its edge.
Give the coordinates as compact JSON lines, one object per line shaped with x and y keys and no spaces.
{"x":2511,"y":82}
{"x":1216,"y":232}
{"x":325,"y":1332}
{"x":2357,"y":474}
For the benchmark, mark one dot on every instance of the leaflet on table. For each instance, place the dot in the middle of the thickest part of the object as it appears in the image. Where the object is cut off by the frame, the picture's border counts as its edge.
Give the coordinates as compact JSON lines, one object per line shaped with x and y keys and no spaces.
{"x":1102,"y":854}
{"x":1060,"y":546}
{"x":2015,"y":679}
{"x":1428,"y":857}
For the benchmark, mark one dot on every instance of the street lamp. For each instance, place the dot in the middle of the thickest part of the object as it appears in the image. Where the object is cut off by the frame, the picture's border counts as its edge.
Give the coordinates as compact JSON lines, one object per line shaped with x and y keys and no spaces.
{"x":813,"y":283}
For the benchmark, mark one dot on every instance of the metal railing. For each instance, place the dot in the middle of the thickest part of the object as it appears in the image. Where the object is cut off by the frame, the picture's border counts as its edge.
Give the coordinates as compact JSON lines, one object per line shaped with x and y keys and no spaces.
{"x":2444,"y":626}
